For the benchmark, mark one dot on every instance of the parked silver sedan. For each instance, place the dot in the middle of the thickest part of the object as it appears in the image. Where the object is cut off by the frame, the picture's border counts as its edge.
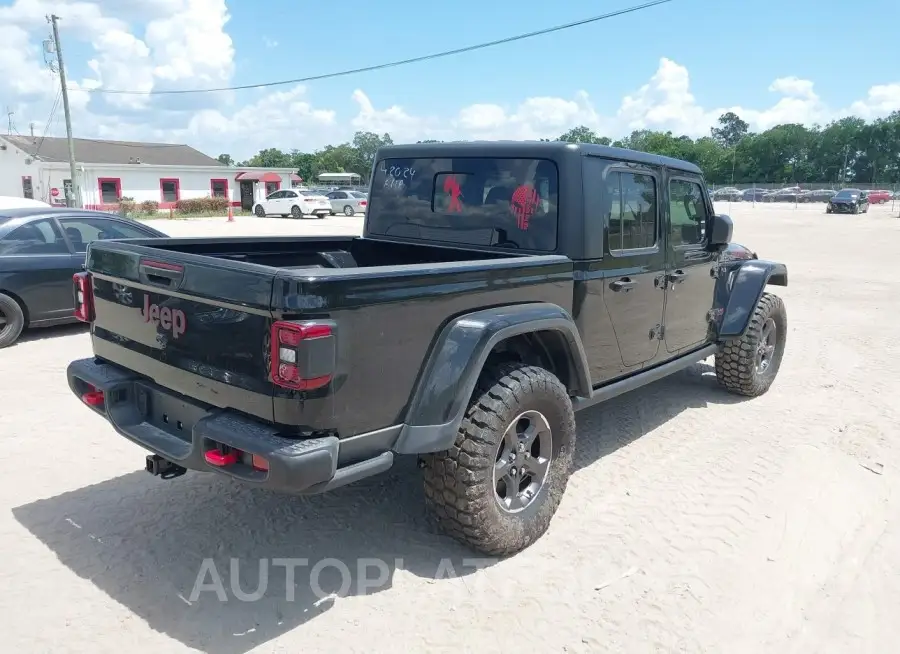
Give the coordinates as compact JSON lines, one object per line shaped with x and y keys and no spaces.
{"x":348,"y":202}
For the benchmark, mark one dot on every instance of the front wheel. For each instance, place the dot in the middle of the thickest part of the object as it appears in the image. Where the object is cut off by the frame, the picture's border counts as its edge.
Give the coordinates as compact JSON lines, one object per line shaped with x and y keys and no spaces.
{"x":296,"y":212}
{"x":747,"y":366}
{"x":259,"y":211}
{"x":12,"y":320}
{"x":498,"y":487}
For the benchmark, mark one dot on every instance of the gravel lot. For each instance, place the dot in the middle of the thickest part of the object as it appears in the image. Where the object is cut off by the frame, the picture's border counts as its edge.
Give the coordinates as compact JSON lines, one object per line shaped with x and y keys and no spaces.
{"x":695,"y":521}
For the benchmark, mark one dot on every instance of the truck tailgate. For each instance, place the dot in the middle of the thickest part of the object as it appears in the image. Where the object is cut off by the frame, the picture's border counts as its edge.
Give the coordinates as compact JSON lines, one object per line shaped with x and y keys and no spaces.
{"x":195,"y":324}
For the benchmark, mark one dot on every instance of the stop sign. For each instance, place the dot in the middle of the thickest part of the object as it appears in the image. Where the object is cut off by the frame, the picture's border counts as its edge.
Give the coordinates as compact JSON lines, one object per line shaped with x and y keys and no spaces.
{"x":54,"y":192}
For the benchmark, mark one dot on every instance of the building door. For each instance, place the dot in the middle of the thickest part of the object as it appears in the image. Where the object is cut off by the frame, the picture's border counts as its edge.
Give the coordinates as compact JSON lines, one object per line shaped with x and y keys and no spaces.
{"x":247,"y":196}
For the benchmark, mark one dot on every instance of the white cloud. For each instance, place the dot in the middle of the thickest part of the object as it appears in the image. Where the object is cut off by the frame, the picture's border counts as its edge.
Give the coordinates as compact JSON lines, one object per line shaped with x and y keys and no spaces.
{"x":177,"y":44}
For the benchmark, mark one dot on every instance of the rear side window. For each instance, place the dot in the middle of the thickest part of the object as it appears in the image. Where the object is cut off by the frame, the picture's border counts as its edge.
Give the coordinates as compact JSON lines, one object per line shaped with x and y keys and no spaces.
{"x":633,"y":211}
{"x":81,"y":231}
{"x":476,"y":201}
{"x":38,"y":237}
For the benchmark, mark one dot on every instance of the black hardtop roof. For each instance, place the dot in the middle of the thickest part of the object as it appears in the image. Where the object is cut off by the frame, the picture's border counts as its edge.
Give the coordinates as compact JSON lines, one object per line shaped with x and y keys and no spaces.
{"x":535,"y":149}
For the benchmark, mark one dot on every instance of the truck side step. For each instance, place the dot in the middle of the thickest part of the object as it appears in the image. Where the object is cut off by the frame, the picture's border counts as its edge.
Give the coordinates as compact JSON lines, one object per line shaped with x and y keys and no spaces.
{"x":160,"y":467}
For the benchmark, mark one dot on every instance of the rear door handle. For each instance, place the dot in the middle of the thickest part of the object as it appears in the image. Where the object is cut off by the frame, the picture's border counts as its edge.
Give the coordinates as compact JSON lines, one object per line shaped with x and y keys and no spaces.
{"x":676,"y":277}
{"x":624,"y":284}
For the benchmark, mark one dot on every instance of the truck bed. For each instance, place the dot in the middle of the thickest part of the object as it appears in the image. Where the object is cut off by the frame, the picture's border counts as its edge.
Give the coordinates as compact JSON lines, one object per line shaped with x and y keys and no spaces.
{"x":194,"y":315}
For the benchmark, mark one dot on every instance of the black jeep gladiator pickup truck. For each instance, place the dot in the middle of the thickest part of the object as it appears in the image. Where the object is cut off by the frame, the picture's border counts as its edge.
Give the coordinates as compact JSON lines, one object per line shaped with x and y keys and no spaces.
{"x":497,"y":289}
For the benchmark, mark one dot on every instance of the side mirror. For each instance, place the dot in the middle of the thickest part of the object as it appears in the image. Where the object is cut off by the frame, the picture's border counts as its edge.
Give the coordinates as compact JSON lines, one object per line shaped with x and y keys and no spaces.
{"x":720,"y":231}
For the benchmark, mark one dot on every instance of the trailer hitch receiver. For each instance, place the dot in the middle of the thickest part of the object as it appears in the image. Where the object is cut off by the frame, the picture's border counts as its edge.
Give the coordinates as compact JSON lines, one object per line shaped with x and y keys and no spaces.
{"x":163,"y":468}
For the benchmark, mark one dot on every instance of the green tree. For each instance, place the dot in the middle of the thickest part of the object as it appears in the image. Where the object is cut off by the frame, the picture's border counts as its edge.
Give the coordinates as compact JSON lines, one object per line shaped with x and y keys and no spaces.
{"x":845,"y":151}
{"x":583,"y":134}
{"x":225,"y":159}
{"x":269,"y":158}
{"x":731,"y":130}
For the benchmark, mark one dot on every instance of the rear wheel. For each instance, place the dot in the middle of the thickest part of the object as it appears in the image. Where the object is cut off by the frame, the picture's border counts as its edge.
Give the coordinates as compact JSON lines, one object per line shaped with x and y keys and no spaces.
{"x":12,"y":320}
{"x":296,"y":212}
{"x":348,"y":210}
{"x":498,"y":488}
{"x":259,"y":211}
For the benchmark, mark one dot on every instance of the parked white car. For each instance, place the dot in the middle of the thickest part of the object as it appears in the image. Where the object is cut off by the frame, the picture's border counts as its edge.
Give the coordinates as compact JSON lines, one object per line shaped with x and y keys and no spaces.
{"x":348,"y":202}
{"x":296,"y":203}
{"x":12,"y":202}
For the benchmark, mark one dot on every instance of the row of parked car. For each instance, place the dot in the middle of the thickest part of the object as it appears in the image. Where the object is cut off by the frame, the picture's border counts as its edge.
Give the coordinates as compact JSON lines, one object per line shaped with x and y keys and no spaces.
{"x":794,"y":194}
{"x":300,"y":202}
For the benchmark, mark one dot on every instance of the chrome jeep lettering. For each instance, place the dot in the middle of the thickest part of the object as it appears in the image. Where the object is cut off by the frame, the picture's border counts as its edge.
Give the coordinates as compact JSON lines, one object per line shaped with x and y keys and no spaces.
{"x":171,"y":320}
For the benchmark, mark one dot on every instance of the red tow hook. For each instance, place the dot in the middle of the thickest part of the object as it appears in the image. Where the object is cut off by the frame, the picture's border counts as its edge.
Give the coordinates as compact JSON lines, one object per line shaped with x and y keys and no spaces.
{"x":221,"y":459}
{"x":93,"y":397}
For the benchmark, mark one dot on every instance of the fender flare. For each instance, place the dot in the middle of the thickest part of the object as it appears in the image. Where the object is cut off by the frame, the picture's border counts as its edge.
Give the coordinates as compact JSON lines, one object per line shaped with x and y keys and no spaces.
{"x":456,"y":360}
{"x":743,"y":286}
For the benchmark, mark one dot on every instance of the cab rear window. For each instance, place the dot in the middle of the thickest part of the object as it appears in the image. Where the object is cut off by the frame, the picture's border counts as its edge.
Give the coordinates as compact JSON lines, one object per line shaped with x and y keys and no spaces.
{"x":475,"y":201}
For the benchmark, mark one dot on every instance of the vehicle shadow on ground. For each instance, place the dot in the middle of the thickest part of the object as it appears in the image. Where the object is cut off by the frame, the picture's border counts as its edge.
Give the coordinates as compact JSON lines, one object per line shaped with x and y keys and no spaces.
{"x":43,"y":333}
{"x":144,"y":541}
{"x":605,"y":428}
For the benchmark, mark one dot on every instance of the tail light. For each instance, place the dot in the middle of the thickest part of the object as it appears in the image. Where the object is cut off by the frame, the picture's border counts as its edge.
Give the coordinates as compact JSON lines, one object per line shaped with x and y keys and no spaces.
{"x":84,"y":296}
{"x":303,"y":354}
{"x":363,"y":203}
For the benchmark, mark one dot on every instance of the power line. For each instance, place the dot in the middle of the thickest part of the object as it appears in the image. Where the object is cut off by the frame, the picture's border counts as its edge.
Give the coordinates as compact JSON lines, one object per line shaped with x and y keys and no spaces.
{"x":53,"y":109}
{"x":392,"y":64}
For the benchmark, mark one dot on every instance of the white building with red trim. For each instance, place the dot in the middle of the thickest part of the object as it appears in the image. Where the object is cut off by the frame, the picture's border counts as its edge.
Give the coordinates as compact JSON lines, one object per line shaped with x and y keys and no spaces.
{"x":38,"y":168}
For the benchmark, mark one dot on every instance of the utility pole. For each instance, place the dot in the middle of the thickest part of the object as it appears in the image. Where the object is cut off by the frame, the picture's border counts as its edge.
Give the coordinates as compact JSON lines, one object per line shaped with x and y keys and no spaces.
{"x":76,"y":193}
{"x":844,"y":169}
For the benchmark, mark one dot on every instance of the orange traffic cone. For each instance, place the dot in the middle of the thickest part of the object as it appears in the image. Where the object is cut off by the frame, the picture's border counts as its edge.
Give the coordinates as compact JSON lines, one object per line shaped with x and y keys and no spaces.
{"x":230,"y":214}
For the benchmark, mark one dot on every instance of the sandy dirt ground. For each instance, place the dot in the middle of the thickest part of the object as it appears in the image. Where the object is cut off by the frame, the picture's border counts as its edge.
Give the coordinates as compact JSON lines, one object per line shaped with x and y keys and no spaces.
{"x":695,"y":522}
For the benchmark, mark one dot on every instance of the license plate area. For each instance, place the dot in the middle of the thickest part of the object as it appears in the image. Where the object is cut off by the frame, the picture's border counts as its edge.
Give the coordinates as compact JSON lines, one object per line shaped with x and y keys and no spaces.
{"x":166,"y":412}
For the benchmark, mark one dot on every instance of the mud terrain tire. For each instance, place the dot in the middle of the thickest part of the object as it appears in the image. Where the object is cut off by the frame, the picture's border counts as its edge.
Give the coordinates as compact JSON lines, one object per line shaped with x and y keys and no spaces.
{"x":747,"y":366}
{"x":461,"y":484}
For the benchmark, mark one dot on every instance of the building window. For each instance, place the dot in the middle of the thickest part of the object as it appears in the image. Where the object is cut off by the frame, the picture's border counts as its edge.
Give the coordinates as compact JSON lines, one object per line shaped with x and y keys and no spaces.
{"x":27,"y":188}
{"x":110,"y":190}
{"x":271,"y":187}
{"x":170,"y":190}
{"x":218,"y":188}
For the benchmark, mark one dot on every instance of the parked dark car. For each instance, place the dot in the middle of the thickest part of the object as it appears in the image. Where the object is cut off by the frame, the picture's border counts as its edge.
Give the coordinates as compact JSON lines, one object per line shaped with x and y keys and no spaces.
{"x":40,"y":249}
{"x":727,"y":195}
{"x":500,"y":287}
{"x":754,"y":194}
{"x":817,"y":195}
{"x":784,"y":195}
{"x":848,"y":200}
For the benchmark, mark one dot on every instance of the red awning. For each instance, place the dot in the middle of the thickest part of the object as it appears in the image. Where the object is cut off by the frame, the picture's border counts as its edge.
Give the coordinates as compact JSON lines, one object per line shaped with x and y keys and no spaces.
{"x":257,"y":176}
{"x":296,"y":178}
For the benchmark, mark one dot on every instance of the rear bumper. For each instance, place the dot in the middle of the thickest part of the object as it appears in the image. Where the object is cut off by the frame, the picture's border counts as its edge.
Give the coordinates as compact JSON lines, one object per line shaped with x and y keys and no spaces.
{"x":181,"y":430}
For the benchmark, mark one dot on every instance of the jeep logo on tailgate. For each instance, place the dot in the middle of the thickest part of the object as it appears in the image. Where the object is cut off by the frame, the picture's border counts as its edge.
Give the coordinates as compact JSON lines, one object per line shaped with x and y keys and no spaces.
{"x":172,"y":320}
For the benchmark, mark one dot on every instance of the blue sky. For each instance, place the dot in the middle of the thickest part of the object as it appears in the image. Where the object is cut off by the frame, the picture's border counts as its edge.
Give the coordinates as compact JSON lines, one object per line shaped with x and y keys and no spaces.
{"x":672,"y":66}
{"x":732,"y":54}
